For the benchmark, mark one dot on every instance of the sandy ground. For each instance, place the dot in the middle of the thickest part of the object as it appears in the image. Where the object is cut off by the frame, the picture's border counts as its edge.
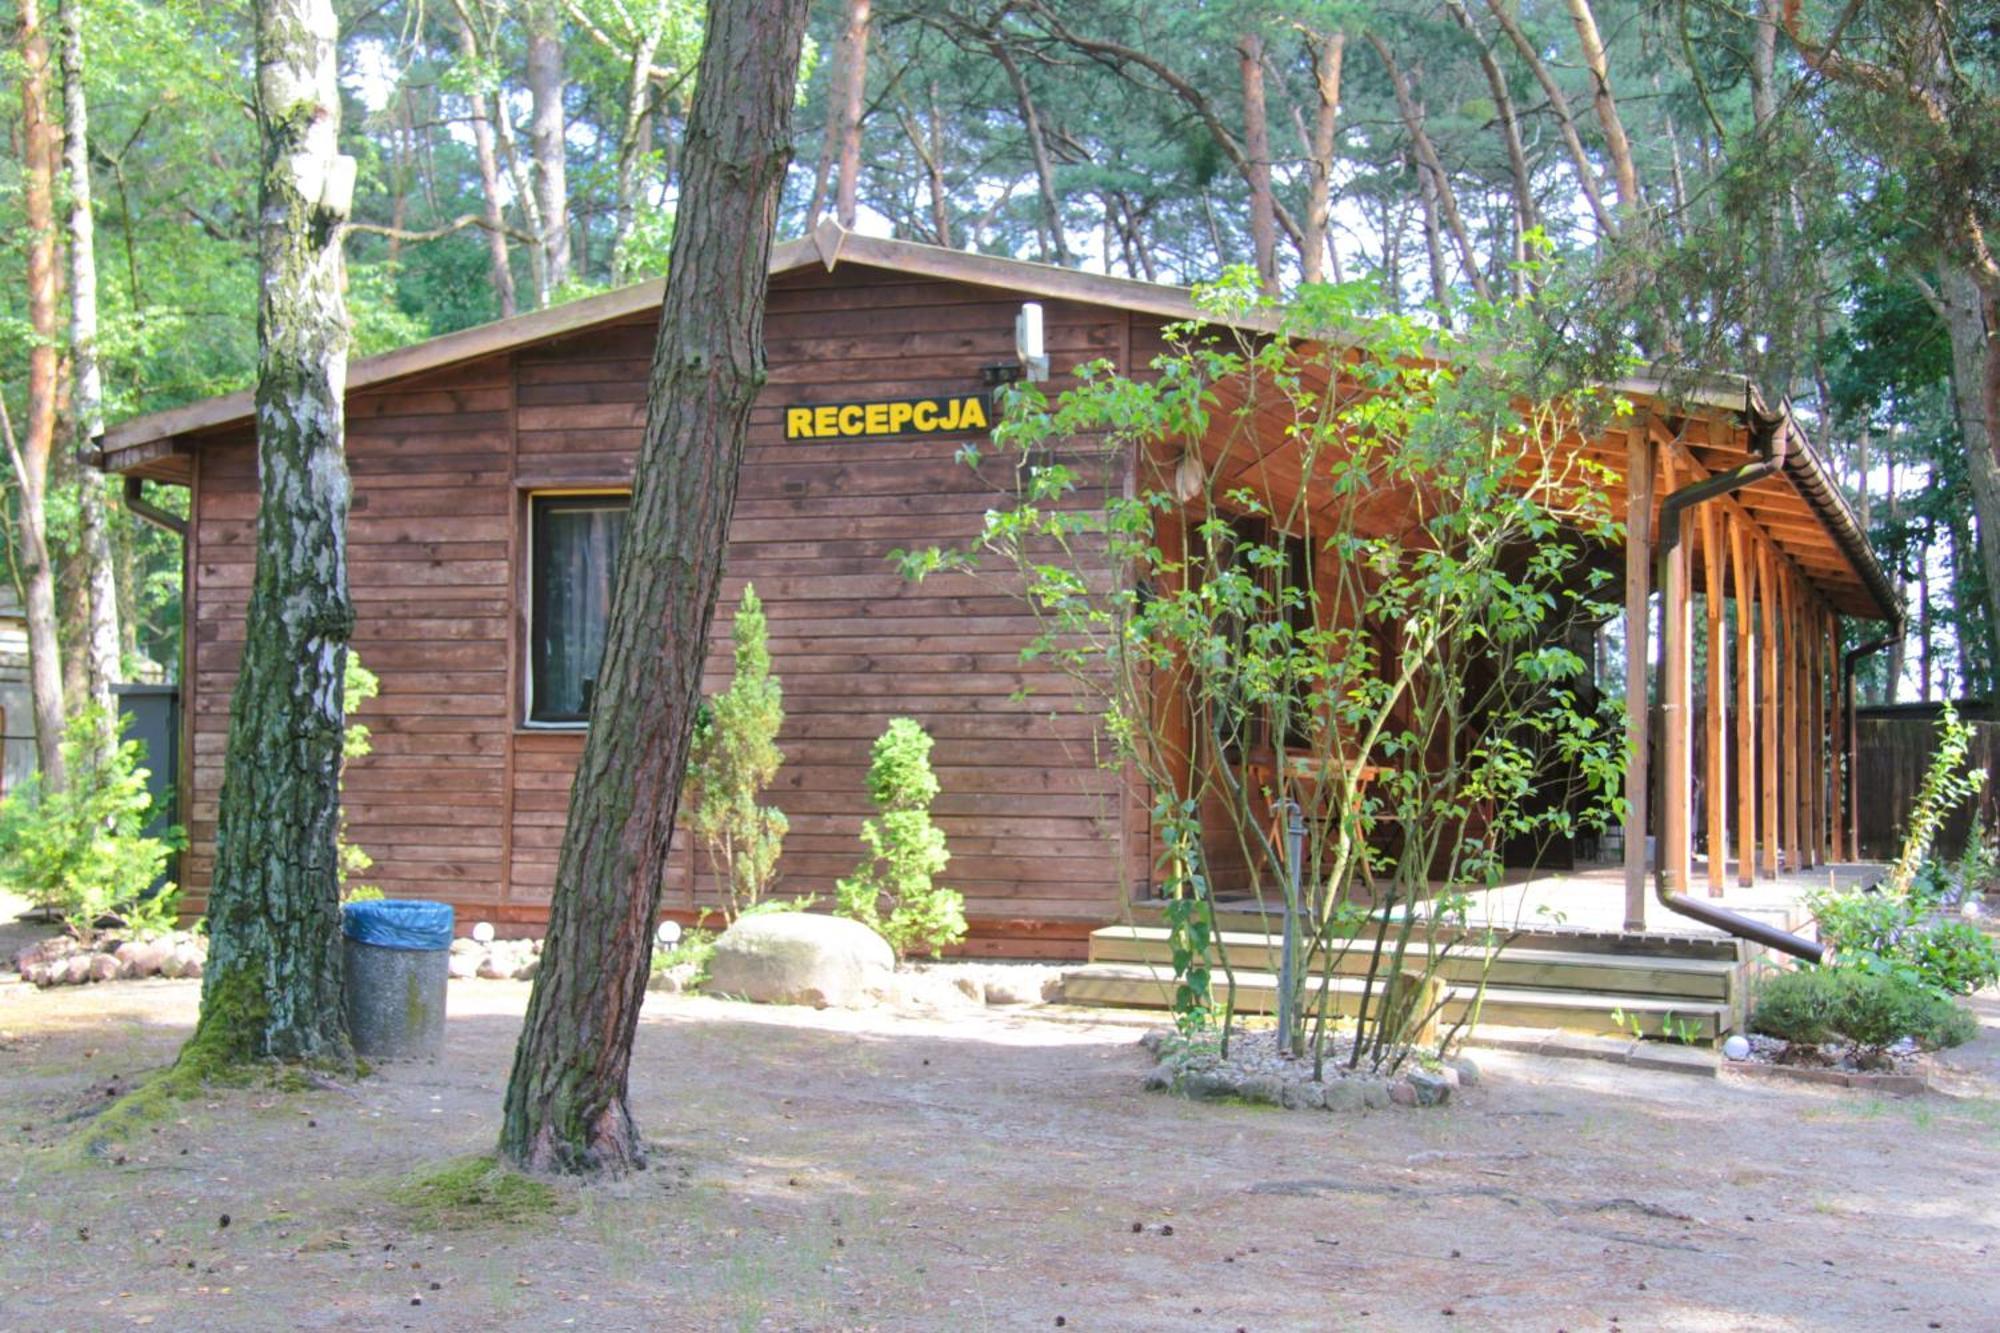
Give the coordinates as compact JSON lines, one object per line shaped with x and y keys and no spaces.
{"x":865,"y":1171}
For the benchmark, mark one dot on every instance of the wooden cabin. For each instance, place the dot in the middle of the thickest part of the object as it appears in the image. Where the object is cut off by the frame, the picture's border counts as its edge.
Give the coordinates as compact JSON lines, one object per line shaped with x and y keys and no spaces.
{"x":489,"y":470}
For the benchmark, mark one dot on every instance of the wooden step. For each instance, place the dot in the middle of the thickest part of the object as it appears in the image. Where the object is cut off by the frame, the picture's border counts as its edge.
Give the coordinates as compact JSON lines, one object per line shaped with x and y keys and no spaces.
{"x":1143,"y":986}
{"x":1537,"y":934}
{"x":1701,"y":980}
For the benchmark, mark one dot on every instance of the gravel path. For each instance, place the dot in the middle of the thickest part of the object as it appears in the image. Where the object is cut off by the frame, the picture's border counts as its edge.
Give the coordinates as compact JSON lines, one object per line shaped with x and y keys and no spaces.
{"x":988,"y":1170}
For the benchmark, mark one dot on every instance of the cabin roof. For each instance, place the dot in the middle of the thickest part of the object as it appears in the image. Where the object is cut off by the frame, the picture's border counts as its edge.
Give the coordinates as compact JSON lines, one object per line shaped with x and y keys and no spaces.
{"x":159,"y":444}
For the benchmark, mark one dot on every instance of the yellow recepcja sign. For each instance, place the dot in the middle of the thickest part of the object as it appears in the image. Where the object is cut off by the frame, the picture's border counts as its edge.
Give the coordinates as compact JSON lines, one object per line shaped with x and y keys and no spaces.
{"x":903,"y":416}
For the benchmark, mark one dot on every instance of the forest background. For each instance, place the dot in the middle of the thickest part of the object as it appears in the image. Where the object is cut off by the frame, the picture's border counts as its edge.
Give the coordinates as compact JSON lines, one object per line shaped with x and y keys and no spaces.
{"x":1793,"y":190}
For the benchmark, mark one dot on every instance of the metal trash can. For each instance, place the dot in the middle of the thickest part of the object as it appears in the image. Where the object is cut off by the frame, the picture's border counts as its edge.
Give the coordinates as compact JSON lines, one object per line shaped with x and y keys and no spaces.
{"x":398,"y":964}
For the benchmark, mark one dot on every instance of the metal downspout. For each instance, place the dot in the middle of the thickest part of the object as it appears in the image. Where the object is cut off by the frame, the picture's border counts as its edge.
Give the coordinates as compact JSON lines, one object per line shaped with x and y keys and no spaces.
{"x":142,"y":508}
{"x":1769,"y":435}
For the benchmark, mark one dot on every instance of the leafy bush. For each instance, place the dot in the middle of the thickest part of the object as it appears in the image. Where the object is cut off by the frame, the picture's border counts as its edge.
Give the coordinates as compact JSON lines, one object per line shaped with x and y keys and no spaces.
{"x":358,"y":686}
{"x":734,"y":757}
{"x":905,"y":851}
{"x":1873,"y":1009}
{"x":82,"y":850}
{"x":1902,"y":934}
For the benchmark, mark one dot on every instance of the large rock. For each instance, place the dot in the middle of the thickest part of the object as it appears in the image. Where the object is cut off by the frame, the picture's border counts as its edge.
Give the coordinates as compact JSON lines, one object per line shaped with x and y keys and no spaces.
{"x":801,"y":958}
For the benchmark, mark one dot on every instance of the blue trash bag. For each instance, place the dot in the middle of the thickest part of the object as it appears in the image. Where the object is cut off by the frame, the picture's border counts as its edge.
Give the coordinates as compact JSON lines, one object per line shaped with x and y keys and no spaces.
{"x":398,"y":923}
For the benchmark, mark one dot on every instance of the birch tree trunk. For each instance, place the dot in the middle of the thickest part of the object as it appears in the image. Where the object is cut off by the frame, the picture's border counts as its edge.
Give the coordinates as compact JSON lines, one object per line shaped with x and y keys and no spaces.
{"x":1616,"y":146}
{"x":101,"y":640}
{"x":566,"y":1106}
{"x":273,"y":983}
{"x":30,"y":455}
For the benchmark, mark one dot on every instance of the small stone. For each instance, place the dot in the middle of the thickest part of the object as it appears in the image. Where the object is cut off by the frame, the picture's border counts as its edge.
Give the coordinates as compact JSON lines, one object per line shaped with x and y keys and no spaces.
{"x":76,"y":968}
{"x":1375,"y":1094}
{"x":492,"y":969}
{"x":139,"y":959}
{"x":1402,"y":1094}
{"x":462,"y":966}
{"x":527,"y":970}
{"x":1152,"y":1040}
{"x":102,"y":967}
{"x":1010,"y":988}
{"x":1428,"y":1088}
{"x":1345,"y":1094}
{"x":1304,"y":1097}
{"x":971,"y":987}
{"x":1467,"y":1070}
{"x":1264,"y":1089}
{"x":171,"y":966}
{"x":462,"y":947}
{"x":1052,"y":990}
{"x":1159,"y":1078}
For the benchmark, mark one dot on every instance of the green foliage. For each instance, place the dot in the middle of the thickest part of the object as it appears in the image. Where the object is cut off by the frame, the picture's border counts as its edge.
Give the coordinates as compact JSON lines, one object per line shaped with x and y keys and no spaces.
{"x":1904,"y":928}
{"x":471,"y":1192}
{"x":83,"y":850}
{"x":696,"y":945}
{"x":358,"y":686}
{"x":1414,"y":677}
{"x":733,"y":759}
{"x":1948,"y":783}
{"x":905,"y":851}
{"x":1813,"y":1005}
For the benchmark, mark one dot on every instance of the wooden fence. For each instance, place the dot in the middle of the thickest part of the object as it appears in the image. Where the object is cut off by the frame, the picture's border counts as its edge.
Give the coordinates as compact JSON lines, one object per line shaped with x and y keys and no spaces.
{"x":1893,"y":746}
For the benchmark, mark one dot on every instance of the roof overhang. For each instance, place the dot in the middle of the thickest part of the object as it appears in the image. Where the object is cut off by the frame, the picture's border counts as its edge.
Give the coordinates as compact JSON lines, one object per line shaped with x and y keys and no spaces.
{"x":160,"y":444}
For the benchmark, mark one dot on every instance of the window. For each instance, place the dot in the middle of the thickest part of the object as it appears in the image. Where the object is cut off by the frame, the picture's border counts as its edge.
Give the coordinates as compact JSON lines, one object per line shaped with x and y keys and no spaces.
{"x":573,"y":554}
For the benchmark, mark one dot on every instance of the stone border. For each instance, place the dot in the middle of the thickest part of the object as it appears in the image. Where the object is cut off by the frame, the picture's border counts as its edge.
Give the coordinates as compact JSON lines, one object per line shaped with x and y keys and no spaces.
{"x":1891,"y":1085}
{"x":1201,"y":1078}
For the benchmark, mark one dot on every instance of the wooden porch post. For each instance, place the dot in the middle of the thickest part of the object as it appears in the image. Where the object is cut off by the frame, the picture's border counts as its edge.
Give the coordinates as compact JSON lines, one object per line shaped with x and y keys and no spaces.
{"x":1675,"y":847}
{"x":1816,"y":732}
{"x":1788,"y":736}
{"x":1767,"y":649}
{"x":1831,"y":733}
{"x":1746,"y":716}
{"x":1715,"y":715}
{"x":1638,"y":588}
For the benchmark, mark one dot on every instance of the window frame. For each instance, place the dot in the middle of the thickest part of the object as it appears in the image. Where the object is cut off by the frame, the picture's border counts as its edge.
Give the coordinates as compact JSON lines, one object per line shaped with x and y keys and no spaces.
{"x":527,"y":612}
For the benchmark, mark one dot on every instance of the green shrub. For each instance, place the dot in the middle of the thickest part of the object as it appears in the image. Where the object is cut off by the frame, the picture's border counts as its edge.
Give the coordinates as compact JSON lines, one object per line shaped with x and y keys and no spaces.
{"x":905,"y":851}
{"x":1871,"y":1009}
{"x":83,"y":850}
{"x":358,"y":686}
{"x":1902,"y":934}
{"x":734,"y":757}
{"x":1948,"y":783}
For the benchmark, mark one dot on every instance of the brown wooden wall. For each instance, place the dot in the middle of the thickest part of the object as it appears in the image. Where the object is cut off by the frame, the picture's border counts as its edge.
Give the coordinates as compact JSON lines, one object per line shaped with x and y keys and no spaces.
{"x":1893,"y":750}
{"x":459,"y":802}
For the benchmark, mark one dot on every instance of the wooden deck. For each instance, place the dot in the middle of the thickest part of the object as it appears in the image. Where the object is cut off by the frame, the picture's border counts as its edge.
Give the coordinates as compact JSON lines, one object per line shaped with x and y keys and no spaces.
{"x":1569,"y":964}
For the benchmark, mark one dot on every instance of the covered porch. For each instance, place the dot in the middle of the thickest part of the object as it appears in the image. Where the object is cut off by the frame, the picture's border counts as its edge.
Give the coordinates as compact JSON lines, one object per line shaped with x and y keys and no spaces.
{"x":1748,"y":593}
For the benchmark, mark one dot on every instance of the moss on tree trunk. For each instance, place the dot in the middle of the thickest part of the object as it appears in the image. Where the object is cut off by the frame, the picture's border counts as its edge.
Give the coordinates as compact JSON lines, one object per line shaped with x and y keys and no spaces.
{"x":566,"y":1100}
{"x":272,"y":988}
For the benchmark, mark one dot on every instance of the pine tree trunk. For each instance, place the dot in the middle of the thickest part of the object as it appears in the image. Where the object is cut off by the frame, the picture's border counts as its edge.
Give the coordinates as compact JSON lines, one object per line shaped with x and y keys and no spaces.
{"x":1328,"y":53}
{"x":31,"y":459}
{"x":274,"y":978}
{"x":566,"y":1107}
{"x":101,"y":640}
{"x":545,"y":90}
{"x":1257,"y":149}
{"x":1972,"y":319}
{"x":853,"y":98}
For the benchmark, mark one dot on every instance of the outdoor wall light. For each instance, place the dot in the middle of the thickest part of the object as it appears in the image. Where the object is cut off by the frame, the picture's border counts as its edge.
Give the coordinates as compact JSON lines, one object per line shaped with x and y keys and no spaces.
{"x":1031,"y":360}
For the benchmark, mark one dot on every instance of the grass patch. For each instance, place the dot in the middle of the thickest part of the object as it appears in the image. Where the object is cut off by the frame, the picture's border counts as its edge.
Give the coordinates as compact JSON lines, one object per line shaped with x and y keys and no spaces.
{"x":476,"y":1191}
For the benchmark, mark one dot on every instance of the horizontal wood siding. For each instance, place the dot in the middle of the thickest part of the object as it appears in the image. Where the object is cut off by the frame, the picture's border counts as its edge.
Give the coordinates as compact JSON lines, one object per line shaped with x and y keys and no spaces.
{"x":459,"y":802}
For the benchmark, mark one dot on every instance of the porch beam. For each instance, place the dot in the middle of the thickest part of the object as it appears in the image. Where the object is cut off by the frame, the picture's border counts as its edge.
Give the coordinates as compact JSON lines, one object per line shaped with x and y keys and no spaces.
{"x":1639,"y":465}
{"x":1789,"y":595}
